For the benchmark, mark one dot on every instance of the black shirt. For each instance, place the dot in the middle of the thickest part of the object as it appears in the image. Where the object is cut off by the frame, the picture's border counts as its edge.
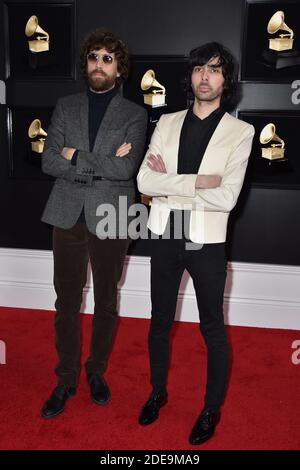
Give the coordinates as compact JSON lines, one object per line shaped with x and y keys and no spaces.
{"x":194,"y":138}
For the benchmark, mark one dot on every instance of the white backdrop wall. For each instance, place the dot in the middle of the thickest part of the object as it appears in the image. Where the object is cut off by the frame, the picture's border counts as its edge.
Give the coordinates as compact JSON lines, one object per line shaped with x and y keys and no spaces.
{"x":256,"y":295}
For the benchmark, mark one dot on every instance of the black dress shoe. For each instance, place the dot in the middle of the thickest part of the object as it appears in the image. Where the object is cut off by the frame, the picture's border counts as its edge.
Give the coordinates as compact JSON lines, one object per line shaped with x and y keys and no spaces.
{"x":99,"y":390}
{"x":204,"y":427}
{"x":56,"y":402}
{"x":150,"y":410}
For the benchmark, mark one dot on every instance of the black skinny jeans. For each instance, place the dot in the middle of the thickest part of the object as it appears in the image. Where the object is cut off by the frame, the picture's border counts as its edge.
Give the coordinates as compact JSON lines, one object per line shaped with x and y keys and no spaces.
{"x":207,"y":267}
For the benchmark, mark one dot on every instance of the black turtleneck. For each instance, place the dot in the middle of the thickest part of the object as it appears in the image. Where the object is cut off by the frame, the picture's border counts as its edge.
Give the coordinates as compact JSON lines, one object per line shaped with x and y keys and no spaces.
{"x":98,"y":103}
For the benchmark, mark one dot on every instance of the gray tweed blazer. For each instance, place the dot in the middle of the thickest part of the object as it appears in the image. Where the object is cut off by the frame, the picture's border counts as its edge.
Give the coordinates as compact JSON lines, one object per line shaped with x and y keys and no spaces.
{"x":75,"y":186}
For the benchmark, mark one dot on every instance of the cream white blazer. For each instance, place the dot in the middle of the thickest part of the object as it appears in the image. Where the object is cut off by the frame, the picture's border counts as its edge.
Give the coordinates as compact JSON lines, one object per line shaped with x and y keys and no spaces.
{"x":226,"y":155}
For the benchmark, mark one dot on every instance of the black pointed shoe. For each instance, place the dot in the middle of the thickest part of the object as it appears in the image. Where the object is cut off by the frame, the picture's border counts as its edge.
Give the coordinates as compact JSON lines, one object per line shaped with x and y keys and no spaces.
{"x":99,"y":390}
{"x":150,"y":410}
{"x":204,"y":427}
{"x":56,"y":402}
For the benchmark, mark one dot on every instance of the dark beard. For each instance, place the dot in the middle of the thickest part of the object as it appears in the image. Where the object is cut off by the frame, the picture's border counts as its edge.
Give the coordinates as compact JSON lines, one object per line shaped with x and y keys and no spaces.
{"x":103,"y":83}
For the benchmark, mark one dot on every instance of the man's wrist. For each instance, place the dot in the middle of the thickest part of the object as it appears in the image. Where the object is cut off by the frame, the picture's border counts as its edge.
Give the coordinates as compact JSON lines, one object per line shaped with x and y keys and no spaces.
{"x":74,"y":158}
{"x":199,"y":182}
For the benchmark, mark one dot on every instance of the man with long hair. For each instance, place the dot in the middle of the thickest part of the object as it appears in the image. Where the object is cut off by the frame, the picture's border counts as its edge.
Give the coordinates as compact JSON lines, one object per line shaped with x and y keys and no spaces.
{"x":94,"y":148}
{"x":194,"y":170}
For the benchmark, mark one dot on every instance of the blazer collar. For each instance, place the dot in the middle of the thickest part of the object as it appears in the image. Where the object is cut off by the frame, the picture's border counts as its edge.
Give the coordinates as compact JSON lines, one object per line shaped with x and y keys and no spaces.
{"x":224,"y":121}
{"x":216,"y":138}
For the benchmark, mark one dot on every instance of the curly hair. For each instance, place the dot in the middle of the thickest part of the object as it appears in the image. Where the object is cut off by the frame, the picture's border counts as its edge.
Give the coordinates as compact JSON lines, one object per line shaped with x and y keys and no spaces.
{"x":201,"y":55}
{"x":101,"y":38}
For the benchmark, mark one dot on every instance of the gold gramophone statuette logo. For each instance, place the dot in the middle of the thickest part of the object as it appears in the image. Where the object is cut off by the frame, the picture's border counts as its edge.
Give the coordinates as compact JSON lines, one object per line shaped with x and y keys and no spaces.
{"x":37,"y":134}
{"x":39,"y":39}
{"x":274,"y":151}
{"x":156,"y":97}
{"x":285,"y":41}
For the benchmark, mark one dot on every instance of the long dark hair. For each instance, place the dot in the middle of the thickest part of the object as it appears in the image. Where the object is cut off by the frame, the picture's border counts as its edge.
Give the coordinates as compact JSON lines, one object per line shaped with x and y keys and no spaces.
{"x":101,"y":38}
{"x":201,"y":55}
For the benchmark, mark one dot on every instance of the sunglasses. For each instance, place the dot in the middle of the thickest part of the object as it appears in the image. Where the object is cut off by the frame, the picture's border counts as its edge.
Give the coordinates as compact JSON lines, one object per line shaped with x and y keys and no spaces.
{"x":93,"y":58}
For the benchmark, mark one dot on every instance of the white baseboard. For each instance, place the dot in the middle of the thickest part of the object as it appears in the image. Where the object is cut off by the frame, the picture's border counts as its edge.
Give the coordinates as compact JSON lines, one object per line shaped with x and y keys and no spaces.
{"x":256,"y":295}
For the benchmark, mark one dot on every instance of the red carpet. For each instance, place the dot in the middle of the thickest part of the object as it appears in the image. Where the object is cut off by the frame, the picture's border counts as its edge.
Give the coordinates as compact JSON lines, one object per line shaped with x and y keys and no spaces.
{"x":261,"y":409}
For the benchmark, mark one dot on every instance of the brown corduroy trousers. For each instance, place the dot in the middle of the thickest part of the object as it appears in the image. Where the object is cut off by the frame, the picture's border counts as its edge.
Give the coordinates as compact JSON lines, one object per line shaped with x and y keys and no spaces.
{"x":72,"y":249}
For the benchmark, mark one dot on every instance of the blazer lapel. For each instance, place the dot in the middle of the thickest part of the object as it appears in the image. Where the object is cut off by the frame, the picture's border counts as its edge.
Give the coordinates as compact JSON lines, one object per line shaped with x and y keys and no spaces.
{"x":84,"y":119}
{"x":216,"y":140}
{"x":173,"y":147}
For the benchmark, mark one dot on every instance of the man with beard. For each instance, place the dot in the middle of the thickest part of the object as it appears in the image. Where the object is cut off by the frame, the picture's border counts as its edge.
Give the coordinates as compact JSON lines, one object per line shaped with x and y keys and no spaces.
{"x":194,"y":170}
{"x":94,"y":147}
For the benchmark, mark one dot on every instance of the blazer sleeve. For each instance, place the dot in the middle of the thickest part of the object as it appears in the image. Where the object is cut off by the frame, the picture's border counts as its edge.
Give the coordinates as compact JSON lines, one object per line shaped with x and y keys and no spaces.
{"x":53,"y":163}
{"x":118,"y":168}
{"x":153,"y":183}
{"x":224,"y":198}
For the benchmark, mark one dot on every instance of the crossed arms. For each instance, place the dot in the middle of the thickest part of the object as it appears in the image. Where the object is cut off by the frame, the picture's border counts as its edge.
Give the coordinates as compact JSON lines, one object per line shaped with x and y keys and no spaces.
{"x":57,"y":157}
{"x":212,"y":192}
